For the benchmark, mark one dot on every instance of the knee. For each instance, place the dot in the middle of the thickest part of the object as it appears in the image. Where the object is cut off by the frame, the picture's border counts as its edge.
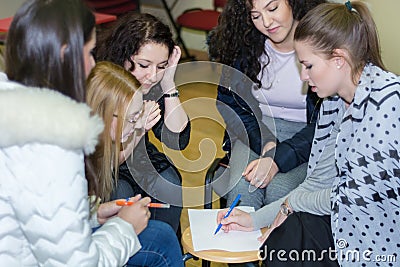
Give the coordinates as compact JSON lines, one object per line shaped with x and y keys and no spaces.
{"x":163,"y":229}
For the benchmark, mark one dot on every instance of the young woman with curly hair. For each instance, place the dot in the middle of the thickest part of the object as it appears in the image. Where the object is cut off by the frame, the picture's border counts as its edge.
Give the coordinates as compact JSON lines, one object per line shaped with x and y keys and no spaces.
{"x":144,"y":46}
{"x":256,"y":38}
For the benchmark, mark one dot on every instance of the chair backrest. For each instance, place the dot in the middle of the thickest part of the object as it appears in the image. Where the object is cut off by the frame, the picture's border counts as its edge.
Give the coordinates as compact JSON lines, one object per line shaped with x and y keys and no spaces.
{"x":114,"y":7}
{"x":219,"y":4}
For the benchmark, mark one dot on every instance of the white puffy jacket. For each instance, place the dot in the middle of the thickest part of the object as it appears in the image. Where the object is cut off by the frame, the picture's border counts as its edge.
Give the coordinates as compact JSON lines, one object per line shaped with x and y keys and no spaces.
{"x":44,"y":209}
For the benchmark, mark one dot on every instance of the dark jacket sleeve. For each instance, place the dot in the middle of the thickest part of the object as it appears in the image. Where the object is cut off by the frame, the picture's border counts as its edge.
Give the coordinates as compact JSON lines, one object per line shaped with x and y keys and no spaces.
{"x":177,"y":141}
{"x":241,"y":113}
{"x":241,"y":121}
{"x":295,"y":151}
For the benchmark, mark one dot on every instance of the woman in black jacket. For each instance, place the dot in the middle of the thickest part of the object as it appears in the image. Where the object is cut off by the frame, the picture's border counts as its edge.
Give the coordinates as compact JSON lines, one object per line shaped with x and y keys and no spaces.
{"x":263,"y":99}
{"x":144,"y":46}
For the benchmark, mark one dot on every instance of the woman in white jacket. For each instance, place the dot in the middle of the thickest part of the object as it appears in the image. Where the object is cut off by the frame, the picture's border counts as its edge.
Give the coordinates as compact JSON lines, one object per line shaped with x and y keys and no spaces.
{"x":44,"y":208}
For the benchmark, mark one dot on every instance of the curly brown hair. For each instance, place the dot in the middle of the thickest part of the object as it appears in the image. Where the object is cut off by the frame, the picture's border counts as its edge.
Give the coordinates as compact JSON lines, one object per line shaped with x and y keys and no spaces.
{"x":130,"y":32}
{"x":237,"y":43}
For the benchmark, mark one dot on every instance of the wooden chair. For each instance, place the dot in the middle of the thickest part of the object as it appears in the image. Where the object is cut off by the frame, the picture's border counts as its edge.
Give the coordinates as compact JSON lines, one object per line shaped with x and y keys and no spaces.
{"x":208,"y":256}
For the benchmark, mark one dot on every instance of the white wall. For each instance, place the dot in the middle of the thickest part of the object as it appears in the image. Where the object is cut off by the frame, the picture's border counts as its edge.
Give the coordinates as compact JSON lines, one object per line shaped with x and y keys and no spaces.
{"x":9,"y":7}
{"x":386,"y":14}
{"x":387,"y":18}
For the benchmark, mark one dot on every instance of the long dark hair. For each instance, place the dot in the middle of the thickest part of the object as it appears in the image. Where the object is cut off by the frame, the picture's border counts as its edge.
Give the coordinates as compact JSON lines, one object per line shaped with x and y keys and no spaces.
{"x":38,"y":32}
{"x":128,"y":34}
{"x":237,"y":43}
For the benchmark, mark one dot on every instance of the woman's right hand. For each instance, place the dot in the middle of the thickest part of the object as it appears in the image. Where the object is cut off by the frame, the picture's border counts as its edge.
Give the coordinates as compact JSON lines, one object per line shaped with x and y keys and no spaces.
{"x":260,"y":172}
{"x":151,"y":115}
{"x":137,"y":214}
{"x":238,"y":220}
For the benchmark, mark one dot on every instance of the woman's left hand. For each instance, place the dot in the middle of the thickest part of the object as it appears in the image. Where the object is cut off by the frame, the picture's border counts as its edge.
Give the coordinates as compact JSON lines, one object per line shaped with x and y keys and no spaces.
{"x":106,"y":211}
{"x":279,"y":219}
{"x":167,"y":82}
{"x":260,"y":172}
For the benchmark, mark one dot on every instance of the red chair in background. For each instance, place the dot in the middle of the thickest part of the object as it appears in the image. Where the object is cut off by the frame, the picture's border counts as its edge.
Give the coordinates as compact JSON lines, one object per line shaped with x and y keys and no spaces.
{"x":114,"y":7}
{"x":200,"y":19}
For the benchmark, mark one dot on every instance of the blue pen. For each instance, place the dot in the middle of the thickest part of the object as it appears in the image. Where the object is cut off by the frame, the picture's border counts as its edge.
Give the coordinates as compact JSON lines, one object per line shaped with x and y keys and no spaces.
{"x":234,"y":203}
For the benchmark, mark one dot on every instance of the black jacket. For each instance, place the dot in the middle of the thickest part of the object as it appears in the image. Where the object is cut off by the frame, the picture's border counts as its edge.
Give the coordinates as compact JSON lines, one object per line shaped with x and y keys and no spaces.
{"x":176,"y":141}
{"x":238,"y":107}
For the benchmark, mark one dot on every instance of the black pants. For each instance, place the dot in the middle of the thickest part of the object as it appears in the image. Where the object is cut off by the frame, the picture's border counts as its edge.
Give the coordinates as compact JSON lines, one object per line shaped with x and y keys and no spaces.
{"x":128,"y":187}
{"x":303,"y":240}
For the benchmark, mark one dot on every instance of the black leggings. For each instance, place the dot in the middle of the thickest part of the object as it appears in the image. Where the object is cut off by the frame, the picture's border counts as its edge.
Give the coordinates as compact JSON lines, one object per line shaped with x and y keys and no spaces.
{"x":127,"y":187}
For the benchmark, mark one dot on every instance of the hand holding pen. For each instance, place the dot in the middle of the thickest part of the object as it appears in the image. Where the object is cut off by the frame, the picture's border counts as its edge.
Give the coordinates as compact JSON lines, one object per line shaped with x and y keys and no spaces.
{"x":129,"y":202}
{"x":234,"y":203}
{"x":238,"y":220}
{"x":137,"y":214}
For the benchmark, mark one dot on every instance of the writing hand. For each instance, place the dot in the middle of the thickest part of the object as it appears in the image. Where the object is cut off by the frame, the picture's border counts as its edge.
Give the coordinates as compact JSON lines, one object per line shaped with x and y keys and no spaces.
{"x":238,"y":220}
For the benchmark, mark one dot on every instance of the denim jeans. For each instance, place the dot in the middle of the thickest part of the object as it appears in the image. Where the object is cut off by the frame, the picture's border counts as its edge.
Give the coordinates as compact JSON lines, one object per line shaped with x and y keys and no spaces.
{"x":160,"y":247}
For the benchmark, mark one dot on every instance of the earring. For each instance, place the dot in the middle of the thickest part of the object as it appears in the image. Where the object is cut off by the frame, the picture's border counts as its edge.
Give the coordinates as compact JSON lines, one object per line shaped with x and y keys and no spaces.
{"x":338,"y":63}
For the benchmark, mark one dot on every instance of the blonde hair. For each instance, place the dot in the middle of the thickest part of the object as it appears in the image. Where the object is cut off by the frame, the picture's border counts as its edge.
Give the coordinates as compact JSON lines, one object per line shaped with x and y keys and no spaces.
{"x":110,"y":89}
{"x":333,"y":26}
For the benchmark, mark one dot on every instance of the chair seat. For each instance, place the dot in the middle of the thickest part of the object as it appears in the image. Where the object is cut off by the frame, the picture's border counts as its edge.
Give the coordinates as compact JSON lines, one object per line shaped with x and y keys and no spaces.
{"x":114,"y":7}
{"x":204,"y":20}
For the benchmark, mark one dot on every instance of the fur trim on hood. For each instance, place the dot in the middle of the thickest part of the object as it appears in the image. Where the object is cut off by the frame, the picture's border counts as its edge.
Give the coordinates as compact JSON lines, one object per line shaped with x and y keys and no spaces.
{"x":34,"y":115}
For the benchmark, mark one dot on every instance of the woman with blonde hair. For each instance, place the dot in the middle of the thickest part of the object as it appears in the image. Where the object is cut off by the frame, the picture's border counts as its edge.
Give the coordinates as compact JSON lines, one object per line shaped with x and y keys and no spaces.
{"x":113,"y":94}
{"x":110,"y":93}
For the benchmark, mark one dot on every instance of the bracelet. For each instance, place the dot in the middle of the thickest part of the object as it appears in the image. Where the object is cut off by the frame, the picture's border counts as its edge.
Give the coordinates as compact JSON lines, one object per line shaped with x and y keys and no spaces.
{"x":176,"y":94}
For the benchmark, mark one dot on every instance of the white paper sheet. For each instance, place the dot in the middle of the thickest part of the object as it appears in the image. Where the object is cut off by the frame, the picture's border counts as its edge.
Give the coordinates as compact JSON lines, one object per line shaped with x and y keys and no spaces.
{"x":203,"y":224}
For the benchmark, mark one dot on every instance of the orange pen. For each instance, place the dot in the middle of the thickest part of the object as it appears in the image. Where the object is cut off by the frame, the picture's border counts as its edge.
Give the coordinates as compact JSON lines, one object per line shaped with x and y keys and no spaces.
{"x":127,"y":202}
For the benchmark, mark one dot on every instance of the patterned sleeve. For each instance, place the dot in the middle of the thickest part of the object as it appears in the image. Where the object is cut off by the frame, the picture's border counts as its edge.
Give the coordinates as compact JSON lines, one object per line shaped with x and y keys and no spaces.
{"x":369,"y":186}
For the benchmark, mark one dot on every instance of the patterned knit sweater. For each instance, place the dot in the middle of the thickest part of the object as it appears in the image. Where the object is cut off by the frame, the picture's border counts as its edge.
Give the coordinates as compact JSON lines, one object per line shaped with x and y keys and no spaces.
{"x":366,"y":194}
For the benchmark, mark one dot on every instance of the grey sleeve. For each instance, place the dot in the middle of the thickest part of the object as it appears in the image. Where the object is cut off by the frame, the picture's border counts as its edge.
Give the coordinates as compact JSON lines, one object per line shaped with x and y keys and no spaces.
{"x":313,"y":195}
{"x":310,"y":196}
{"x":266,"y":215}
{"x":317,"y":202}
